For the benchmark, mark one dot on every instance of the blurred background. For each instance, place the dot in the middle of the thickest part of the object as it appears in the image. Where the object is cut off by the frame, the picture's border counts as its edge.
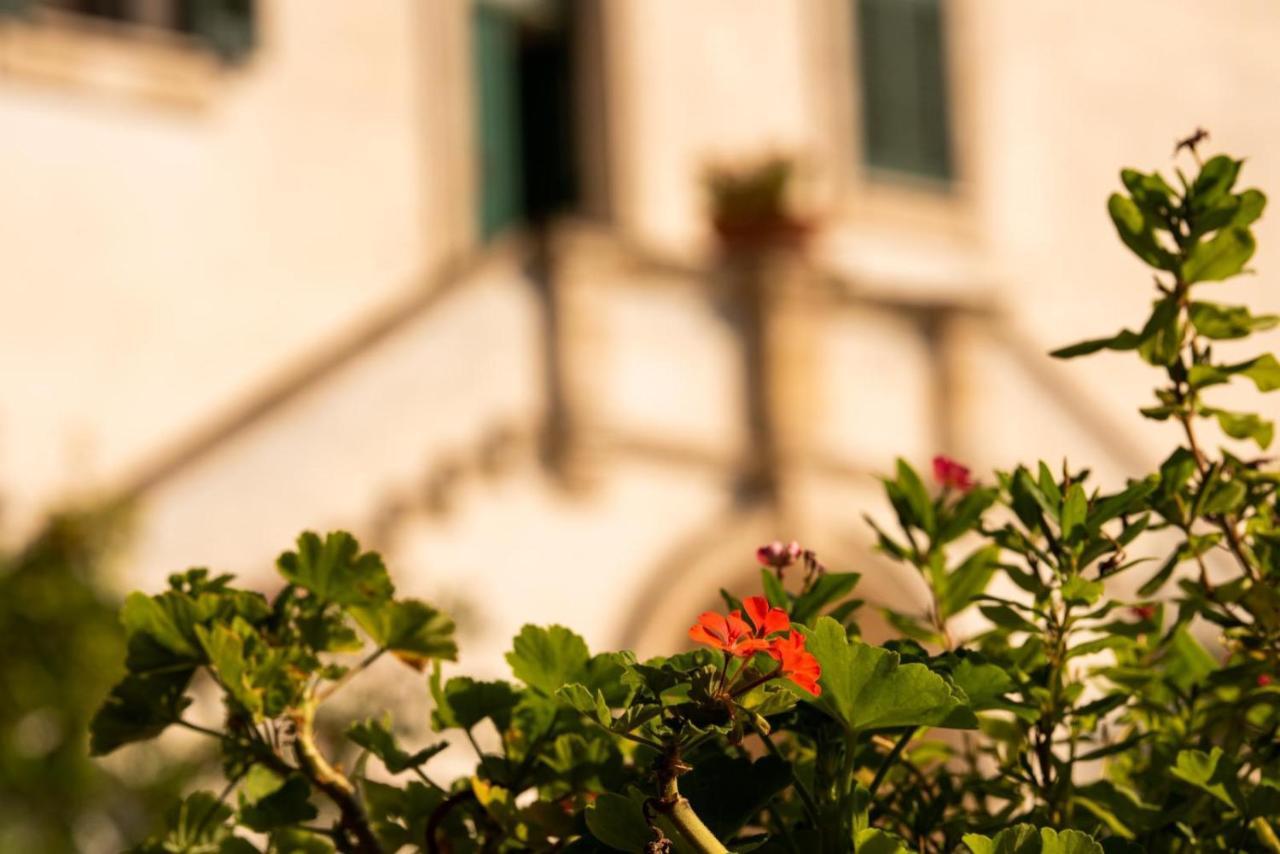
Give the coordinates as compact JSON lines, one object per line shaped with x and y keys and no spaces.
{"x":563,"y":305}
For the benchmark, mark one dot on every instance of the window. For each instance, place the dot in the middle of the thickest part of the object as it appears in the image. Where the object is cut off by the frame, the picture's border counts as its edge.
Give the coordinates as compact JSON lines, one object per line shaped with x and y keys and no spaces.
{"x":902,"y":65}
{"x":528,"y":118}
{"x":224,"y":26}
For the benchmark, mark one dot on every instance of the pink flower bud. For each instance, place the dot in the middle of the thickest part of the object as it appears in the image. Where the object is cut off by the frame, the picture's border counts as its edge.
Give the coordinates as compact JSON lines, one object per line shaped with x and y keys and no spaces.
{"x":779,"y":555}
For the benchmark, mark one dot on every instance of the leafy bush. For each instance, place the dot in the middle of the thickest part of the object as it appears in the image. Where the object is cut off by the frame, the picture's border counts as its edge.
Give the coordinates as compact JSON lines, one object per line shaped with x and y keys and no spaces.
{"x":1073,"y":721}
{"x":62,"y":650}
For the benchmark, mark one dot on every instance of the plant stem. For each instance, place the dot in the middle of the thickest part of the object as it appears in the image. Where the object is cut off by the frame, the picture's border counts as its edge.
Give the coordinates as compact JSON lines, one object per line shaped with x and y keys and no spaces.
{"x":806,"y":799}
{"x":883,"y":770}
{"x":357,"y":837}
{"x":333,"y":687}
{"x":680,"y":812}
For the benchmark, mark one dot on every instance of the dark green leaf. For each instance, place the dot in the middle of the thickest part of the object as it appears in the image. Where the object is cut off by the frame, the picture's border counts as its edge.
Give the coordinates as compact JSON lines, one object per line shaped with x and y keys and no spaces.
{"x":1136,"y":229}
{"x":140,"y":707}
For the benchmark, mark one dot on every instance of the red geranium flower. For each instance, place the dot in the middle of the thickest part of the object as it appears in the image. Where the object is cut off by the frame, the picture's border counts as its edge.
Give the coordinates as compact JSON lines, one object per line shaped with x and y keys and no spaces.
{"x":952,"y":474}
{"x":765,"y":618}
{"x":796,"y":663}
{"x":736,"y":636}
{"x":731,"y":633}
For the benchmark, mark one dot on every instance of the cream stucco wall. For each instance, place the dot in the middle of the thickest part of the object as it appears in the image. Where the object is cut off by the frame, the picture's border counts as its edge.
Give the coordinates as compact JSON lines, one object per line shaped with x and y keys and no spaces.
{"x":158,"y":263}
{"x":161,"y":259}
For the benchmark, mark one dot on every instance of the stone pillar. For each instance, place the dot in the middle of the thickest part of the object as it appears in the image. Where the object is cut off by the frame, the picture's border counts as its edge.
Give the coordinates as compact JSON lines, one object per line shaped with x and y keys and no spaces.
{"x":567,"y":266}
{"x":773,"y":293}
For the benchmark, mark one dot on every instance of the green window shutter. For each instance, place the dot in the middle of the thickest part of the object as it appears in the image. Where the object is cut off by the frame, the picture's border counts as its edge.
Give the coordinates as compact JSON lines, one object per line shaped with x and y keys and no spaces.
{"x":226,"y":26}
{"x":495,"y":37}
{"x":902,"y":62}
{"x":15,"y":7}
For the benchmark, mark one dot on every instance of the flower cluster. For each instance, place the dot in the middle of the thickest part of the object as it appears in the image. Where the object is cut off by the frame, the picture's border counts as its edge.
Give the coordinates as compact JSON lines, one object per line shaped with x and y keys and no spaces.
{"x":763,"y":629}
{"x":951,"y":474}
{"x":779,"y":555}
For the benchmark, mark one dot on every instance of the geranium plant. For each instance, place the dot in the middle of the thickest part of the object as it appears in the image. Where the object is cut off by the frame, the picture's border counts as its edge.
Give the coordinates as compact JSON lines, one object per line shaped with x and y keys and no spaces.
{"x":1073,"y":720}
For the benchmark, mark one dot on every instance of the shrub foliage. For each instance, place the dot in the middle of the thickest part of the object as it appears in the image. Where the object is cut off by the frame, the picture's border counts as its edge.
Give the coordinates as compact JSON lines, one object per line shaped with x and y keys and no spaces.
{"x":1074,"y":719}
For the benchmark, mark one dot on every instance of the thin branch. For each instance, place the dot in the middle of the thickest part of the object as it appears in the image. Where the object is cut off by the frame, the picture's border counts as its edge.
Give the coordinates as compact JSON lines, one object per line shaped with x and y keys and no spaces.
{"x":883,"y":770}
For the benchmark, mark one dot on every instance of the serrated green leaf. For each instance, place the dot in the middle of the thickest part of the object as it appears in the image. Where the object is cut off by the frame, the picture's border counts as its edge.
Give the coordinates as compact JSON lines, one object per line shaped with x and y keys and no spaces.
{"x":140,"y":707}
{"x":411,"y":630}
{"x":335,"y":570}
{"x":865,"y":687}
{"x":1210,"y":772}
{"x":288,"y":804}
{"x":463,"y":702}
{"x":376,"y":737}
{"x":547,"y":658}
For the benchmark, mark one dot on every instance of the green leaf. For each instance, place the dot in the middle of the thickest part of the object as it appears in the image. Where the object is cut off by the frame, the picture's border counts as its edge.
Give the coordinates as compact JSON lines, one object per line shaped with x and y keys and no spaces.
{"x":1223,"y":322}
{"x":140,"y":707}
{"x":1151,"y":193}
{"x":288,"y":804}
{"x":984,"y":684}
{"x":968,"y":580}
{"x":1008,"y":619}
{"x":1264,"y":371}
{"x":1075,"y":507}
{"x":773,"y":589}
{"x":1025,"y":839}
{"x":1209,"y":772}
{"x":865,"y":687}
{"x":588,"y":702}
{"x":1161,"y":338}
{"x":618,"y":821}
{"x":726,"y":792}
{"x":910,"y":498}
{"x":463,"y":702}
{"x":546,"y":658}
{"x":1221,"y":257}
{"x":1217,"y":177}
{"x":1244,"y":425}
{"x":1125,"y":339}
{"x":1186,"y":663}
{"x":1067,"y":842}
{"x":1078,"y":591}
{"x":198,"y":825}
{"x":1136,"y":230}
{"x":827,"y":590}
{"x":287,"y":840}
{"x":334,"y":570}
{"x":873,"y":841}
{"x":411,"y":630}
{"x":225,"y":650}
{"x":168,"y":620}
{"x":966,"y":513}
{"x":375,"y":736}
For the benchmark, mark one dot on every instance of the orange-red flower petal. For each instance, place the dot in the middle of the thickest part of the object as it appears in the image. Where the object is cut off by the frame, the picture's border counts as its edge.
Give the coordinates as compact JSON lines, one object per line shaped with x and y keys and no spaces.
{"x":765,"y":619}
{"x":796,"y":663}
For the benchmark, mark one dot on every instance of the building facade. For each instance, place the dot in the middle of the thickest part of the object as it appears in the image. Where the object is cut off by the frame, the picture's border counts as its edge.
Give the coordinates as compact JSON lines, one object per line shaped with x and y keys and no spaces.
{"x":442,"y":273}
